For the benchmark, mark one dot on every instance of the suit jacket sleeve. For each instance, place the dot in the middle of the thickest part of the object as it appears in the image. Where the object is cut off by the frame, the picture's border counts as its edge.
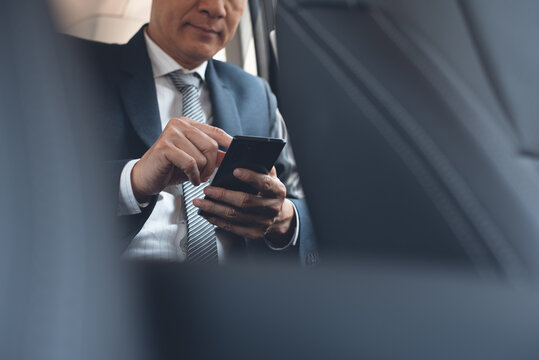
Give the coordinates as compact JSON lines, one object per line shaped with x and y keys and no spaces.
{"x":126,"y":226}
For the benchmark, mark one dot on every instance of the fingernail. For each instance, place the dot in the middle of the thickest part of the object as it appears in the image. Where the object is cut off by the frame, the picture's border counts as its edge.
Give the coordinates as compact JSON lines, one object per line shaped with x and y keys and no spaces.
{"x":197,"y":202}
{"x":209,"y":191}
{"x":239,"y":173}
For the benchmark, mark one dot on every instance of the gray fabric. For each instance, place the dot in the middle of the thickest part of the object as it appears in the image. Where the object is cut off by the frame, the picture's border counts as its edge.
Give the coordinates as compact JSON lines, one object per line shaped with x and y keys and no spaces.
{"x":439,"y":171}
{"x":62,"y":295}
{"x":373,"y":310}
{"x":505,"y":36}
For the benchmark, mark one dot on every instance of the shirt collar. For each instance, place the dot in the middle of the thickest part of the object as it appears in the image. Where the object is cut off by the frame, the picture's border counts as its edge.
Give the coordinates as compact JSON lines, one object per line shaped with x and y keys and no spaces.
{"x":162,"y":63}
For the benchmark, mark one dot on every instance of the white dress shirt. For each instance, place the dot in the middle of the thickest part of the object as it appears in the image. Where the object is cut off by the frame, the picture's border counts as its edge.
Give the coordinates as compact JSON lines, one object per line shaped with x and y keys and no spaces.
{"x":164,"y":235}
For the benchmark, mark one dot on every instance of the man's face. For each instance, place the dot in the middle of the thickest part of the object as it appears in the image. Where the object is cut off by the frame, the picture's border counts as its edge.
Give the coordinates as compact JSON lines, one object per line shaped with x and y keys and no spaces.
{"x":192,"y":31}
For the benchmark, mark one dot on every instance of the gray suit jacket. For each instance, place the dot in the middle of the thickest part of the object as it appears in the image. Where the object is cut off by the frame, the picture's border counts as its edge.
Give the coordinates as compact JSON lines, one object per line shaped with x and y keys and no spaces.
{"x":242,"y":105}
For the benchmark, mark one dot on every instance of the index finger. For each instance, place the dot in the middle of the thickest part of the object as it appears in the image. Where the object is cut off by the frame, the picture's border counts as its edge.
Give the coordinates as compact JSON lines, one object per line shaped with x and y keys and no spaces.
{"x":219,"y":135}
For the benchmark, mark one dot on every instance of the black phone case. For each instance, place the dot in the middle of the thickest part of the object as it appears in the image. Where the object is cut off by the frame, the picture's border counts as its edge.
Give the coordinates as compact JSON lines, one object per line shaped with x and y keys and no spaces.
{"x":248,"y":152}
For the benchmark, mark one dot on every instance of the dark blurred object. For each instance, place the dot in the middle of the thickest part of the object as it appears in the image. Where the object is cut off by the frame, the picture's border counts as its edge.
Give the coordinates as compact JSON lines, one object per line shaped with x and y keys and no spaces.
{"x":61,"y":293}
{"x":415,"y":127}
{"x":372,"y":311}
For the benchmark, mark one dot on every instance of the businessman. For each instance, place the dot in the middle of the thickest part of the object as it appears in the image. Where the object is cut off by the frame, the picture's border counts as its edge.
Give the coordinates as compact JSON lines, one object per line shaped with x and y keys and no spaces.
{"x":169,"y":110}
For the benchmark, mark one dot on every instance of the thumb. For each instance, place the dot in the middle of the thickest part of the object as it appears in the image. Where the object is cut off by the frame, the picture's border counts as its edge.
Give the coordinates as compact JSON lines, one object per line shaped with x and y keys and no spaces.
{"x":220,"y":157}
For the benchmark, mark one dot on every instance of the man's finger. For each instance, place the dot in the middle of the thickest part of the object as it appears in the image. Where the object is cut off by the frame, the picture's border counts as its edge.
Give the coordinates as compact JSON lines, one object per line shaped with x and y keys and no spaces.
{"x":220,"y":157}
{"x":189,"y":147}
{"x":233,"y":214}
{"x":255,"y":204}
{"x":207,"y":146}
{"x":243,"y":231}
{"x":219,"y":135}
{"x":185,"y":163}
{"x":267,"y":185}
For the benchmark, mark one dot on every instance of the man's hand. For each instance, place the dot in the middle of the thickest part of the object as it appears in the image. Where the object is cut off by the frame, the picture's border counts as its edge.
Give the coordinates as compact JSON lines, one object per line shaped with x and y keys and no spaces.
{"x":268,"y":214}
{"x":186,"y":150}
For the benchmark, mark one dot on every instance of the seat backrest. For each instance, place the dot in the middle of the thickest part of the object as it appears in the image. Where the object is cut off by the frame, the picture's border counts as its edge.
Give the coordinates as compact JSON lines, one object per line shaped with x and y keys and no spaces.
{"x":422,"y":124}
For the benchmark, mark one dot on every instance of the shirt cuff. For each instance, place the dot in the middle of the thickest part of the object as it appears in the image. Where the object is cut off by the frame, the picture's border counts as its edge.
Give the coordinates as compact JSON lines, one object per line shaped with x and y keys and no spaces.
{"x":127,"y":203}
{"x":294,"y":239}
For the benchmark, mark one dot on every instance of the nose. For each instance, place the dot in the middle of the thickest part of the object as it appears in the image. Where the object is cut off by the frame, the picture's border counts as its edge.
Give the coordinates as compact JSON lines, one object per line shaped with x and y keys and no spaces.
{"x":214,"y":8}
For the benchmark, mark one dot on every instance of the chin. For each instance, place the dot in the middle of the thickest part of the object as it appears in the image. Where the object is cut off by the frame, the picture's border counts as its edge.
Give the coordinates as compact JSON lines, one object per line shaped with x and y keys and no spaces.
{"x":203,"y":55}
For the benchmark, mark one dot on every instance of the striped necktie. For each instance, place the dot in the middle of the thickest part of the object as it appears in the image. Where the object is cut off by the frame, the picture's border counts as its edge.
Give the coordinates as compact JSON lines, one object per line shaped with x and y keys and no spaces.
{"x":201,"y":243}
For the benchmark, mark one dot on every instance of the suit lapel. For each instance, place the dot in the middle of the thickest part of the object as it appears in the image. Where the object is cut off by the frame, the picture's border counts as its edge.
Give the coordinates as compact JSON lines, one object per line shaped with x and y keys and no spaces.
{"x":225,"y":112}
{"x":137,"y":89}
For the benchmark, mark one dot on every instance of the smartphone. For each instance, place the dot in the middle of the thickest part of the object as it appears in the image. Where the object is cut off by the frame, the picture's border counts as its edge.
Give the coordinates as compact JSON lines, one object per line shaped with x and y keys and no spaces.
{"x":247,"y":152}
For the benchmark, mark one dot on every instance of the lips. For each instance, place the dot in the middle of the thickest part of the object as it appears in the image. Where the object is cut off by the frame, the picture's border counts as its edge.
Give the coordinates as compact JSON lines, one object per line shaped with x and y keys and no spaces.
{"x":205,"y":29}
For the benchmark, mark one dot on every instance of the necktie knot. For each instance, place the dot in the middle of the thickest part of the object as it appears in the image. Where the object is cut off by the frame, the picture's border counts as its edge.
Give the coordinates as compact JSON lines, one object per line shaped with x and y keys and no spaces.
{"x":183,"y":81}
{"x":188,"y":86}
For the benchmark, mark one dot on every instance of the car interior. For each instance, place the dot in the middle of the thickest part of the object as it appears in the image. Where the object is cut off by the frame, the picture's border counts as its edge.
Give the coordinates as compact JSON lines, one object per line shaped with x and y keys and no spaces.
{"x":414,"y":127}
{"x":431,"y":90}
